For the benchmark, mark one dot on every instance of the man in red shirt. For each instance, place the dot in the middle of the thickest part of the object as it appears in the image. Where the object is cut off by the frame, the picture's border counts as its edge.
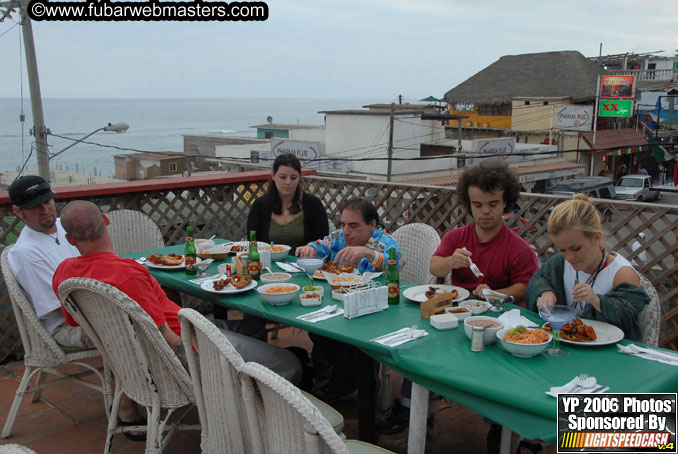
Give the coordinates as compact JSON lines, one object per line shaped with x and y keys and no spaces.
{"x":85,"y":227}
{"x":487,"y":191}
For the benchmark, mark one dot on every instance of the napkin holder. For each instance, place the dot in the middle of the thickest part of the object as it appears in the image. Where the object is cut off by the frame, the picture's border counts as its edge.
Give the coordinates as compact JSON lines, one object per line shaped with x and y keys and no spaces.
{"x":436,"y":305}
{"x":365,"y":300}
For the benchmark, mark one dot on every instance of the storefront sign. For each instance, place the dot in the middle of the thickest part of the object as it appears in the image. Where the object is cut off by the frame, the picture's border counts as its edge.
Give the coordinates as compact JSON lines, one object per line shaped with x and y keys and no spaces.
{"x":305,"y":151}
{"x":575,"y":118}
{"x":502,"y":146}
{"x":615,"y":108}
{"x":616,"y":86}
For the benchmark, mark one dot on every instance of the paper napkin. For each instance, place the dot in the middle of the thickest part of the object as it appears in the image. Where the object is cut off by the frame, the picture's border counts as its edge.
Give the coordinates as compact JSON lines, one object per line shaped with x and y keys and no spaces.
{"x":400,"y":337}
{"x":320,"y":314}
{"x":571,"y":387}
{"x":289,"y":268}
{"x":512,"y":318}
{"x":649,"y":353}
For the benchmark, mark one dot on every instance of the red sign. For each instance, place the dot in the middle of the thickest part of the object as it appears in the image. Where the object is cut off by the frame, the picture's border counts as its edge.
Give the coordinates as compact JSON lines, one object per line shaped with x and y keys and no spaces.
{"x":616,"y":86}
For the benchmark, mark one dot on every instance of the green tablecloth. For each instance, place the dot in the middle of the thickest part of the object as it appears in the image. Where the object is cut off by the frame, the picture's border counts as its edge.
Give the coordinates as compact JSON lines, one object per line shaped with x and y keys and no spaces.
{"x":509,"y":390}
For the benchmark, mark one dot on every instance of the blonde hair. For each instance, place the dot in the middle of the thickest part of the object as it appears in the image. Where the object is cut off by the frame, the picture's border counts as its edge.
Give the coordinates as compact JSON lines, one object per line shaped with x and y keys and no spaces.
{"x":576,"y":213}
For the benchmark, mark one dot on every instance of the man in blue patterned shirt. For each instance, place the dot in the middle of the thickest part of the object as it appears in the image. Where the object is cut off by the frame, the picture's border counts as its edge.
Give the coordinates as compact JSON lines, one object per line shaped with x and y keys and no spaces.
{"x":360,"y":242}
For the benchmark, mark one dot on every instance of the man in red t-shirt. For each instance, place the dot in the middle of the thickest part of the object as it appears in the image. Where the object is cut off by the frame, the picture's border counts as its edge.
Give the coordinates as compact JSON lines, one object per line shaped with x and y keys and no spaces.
{"x":505,"y":259}
{"x":487,"y":191}
{"x":85,"y":227}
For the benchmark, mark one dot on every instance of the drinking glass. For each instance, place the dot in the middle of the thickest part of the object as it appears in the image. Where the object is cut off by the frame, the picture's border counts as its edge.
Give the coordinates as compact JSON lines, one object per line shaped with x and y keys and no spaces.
{"x":202,"y":266}
{"x":310,"y":265}
{"x":557,"y":316}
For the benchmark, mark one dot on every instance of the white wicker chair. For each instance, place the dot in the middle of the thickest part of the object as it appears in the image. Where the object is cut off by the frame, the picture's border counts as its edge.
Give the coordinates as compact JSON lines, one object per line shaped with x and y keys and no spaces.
{"x":417,"y":242}
{"x":222,"y":413}
{"x":15,"y":449}
{"x":145,"y":367}
{"x":133,"y":231}
{"x":43,"y":354}
{"x":650,"y":317}
{"x":285,"y":421}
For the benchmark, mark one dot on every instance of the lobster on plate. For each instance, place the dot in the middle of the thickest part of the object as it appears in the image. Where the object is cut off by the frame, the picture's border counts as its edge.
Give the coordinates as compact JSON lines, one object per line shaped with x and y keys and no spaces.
{"x":576,"y":331}
{"x":241,"y":281}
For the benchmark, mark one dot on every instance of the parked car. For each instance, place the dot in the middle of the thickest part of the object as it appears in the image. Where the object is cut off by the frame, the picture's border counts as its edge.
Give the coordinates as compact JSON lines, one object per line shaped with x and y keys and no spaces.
{"x":594,"y":187}
{"x":637,"y":188}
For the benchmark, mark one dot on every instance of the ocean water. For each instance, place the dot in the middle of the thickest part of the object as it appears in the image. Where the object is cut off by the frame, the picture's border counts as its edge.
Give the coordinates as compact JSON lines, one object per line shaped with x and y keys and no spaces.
{"x":155,"y":125}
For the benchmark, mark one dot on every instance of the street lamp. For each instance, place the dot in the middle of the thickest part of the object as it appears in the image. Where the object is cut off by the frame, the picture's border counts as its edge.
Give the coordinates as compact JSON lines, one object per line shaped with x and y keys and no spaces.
{"x":118,"y":127}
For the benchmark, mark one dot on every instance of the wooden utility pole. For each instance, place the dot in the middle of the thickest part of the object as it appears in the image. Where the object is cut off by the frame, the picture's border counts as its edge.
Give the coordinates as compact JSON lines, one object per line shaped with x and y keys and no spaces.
{"x":39,"y":129}
{"x":390,"y":144}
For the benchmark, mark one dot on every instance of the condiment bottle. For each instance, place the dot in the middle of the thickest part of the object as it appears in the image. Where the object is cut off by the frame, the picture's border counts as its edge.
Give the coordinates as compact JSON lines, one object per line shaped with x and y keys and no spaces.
{"x":189,"y":252}
{"x":253,"y":266}
{"x":477,"y":338}
{"x":393,"y":279}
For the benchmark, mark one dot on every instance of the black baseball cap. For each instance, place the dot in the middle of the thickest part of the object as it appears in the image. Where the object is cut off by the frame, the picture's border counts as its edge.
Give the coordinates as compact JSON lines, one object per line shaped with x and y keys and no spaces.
{"x":30,"y":191}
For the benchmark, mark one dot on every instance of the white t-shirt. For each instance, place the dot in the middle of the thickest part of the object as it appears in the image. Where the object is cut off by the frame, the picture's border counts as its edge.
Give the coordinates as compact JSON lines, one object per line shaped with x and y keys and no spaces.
{"x":33,"y":260}
{"x":604,"y":282}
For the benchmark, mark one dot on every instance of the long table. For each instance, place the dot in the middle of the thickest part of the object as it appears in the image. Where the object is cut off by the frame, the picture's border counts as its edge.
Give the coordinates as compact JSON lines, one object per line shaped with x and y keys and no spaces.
{"x":509,"y":390}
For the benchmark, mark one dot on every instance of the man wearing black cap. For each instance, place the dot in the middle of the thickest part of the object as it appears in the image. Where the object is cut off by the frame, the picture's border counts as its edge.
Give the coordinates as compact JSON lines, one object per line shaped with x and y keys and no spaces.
{"x":40,"y":248}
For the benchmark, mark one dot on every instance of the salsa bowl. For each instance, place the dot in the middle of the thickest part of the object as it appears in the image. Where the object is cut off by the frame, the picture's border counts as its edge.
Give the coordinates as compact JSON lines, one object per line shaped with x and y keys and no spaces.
{"x":493,"y":325}
{"x":270,"y":278}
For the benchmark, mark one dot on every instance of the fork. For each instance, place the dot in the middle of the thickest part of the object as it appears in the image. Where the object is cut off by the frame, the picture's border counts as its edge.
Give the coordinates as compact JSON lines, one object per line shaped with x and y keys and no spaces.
{"x":327,"y":310}
{"x":583,"y":381}
{"x":402,"y":336}
{"x":473,"y":266}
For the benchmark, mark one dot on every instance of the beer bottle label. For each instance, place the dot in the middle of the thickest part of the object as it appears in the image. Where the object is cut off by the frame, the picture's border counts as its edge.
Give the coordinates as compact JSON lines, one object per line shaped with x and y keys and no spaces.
{"x":253,"y":268}
{"x":391,"y":262}
{"x":253,"y":243}
{"x":393,"y":290}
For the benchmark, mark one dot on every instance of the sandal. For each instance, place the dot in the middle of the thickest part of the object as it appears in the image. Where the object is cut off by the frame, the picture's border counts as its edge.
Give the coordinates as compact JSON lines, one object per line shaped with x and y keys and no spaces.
{"x":533,"y":448}
{"x":131,"y":435}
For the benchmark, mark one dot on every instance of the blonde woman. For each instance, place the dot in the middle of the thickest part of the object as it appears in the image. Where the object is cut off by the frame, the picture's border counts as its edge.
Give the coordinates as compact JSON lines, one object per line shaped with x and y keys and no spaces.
{"x":602,"y":284}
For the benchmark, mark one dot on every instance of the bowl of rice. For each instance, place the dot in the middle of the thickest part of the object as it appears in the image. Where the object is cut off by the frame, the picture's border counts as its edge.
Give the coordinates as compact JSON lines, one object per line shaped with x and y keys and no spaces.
{"x":278,"y":294}
{"x":524,"y":344}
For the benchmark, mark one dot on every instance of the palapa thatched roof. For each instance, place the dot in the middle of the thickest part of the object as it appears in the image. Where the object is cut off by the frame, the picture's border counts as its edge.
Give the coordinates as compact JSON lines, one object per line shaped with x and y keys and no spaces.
{"x":545,"y":75}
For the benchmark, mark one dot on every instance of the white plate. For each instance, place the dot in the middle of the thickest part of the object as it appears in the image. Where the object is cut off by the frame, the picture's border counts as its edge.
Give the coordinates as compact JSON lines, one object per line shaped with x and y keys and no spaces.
{"x":418,"y":293}
{"x":317,"y":274}
{"x":181,"y":266}
{"x":606,"y":334}
{"x":228,"y":290}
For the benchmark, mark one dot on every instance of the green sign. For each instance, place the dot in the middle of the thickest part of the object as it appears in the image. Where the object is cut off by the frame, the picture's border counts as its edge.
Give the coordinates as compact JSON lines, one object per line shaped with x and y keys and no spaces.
{"x":615,"y":108}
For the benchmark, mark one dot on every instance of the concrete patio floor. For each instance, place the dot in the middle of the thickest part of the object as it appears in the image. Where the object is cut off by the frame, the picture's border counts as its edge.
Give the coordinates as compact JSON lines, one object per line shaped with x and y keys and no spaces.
{"x":71,"y":419}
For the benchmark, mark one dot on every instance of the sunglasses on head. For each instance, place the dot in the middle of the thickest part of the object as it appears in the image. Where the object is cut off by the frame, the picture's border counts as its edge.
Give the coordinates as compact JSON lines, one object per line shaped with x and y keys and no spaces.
{"x":37,"y":189}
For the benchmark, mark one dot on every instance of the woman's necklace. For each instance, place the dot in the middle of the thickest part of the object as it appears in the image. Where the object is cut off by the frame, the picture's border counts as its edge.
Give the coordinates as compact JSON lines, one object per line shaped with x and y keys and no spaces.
{"x":592,"y":278}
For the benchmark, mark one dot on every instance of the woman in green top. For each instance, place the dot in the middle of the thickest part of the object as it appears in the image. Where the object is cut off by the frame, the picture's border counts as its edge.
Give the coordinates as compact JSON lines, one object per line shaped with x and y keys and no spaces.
{"x":286,"y":214}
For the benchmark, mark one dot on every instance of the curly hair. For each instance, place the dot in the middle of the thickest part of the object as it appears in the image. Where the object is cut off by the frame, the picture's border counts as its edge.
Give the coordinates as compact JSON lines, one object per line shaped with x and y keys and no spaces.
{"x":490,"y":175}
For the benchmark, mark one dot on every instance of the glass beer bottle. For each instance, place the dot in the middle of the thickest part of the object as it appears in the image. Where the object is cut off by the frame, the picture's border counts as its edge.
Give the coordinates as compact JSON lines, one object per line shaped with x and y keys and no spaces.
{"x":393,"y":278}
{"x":189,"y":252}
{"x":253,"y":265}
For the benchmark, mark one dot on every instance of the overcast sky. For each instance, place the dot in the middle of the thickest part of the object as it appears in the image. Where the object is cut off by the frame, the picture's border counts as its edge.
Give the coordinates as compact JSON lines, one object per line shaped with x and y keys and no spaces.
{"x":326,"y":48}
